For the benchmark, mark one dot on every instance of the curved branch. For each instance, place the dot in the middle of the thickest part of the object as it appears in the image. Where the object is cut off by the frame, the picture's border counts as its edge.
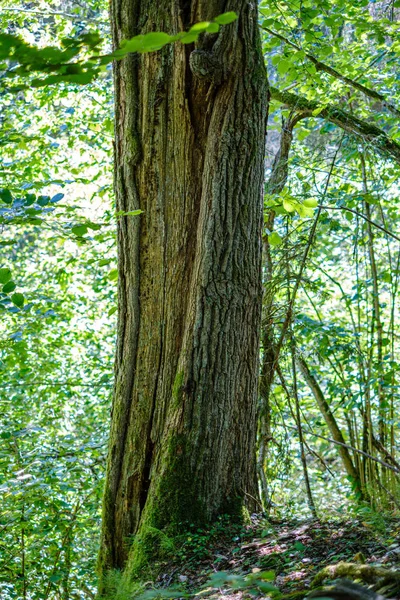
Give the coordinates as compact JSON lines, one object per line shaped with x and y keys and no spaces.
{"x":320,"y":66}
{"x":343,"y":119}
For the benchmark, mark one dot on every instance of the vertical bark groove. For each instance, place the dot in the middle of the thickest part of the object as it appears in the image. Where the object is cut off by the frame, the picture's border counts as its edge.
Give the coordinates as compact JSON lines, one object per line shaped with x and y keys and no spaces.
{"x":182,"y":442}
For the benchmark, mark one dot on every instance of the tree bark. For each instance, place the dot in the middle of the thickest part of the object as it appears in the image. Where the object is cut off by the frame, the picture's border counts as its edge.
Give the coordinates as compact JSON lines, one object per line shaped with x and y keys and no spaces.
{"x":189,"y":147}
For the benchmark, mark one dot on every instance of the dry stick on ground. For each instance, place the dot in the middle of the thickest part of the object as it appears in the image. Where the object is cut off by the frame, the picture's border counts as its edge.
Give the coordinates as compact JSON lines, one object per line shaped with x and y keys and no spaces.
{"x":320,"y":66}
{"x":367,"y":131}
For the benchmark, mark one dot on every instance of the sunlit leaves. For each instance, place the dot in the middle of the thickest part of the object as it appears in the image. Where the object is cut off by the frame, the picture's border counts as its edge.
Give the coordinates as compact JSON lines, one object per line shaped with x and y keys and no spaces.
{"x":226,"y":18}
{"x":286,"y":203}
{"x":60,"y":65}
{"x":274,"y":239}
{"x":5,"y":275}
{"x":18,"y":299}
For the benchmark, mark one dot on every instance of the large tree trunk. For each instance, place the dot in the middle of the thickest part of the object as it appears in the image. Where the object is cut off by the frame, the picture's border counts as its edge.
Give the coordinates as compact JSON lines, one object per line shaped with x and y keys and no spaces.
{"x":190,"y":127}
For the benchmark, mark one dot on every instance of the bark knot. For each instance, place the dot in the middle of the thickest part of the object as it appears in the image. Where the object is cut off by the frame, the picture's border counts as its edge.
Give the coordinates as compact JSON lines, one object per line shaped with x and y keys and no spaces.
{"x":205,"y":65}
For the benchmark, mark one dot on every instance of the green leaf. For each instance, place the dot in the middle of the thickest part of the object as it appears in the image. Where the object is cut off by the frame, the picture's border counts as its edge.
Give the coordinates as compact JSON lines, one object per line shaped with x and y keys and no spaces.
{"x":283,"y":66}
{"x":5,"y":275}
{"x":6,"y":196}
{"x":274,"y":239}
{"x":93,"y":226}
{"x":310,"y":202}
{"x":226,"y":18}
{"x":213,"y":28}
{"x":79,"y":230}
{"x":267,"y":575}
{"x":18,"y":300}
{"x":371,"y":199}
{"x":9,"y":287}
{"x":304,"y":211}
{"x":113,"y":275}
{"x":289,"y":206}
{"x":318,"y":110}
{"x":200,"y":27}
{"x":154,"y":41}
{"x":188,"y":38}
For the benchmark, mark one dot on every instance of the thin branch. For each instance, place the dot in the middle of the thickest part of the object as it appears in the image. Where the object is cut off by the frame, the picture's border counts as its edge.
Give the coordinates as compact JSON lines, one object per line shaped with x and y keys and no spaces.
{"x":381,"y":462}
{"x":44,"y":13}
{"x":320,"y":66}
{"x":355,"y":212}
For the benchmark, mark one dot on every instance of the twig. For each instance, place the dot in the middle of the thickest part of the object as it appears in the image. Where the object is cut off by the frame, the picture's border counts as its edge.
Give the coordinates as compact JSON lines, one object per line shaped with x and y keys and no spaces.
{"x":355,"y":212}
{"x":320,"y":66}
{"x":381,"y":462}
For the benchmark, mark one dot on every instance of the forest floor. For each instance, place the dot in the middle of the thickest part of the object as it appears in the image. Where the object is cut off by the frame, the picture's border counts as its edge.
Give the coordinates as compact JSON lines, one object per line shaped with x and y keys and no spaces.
{"x":291,"y":552}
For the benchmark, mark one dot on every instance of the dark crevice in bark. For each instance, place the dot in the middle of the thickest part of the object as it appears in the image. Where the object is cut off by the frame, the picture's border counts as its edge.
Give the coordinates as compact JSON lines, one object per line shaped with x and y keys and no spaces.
{"x":186,"y":13}
{"x":146,"y":475}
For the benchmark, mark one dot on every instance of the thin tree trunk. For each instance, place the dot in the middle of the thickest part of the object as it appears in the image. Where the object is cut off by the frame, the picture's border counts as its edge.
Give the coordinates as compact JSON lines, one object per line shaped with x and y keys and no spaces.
{"x":331,"y":423}
{"x":376,"y":309}
{"x":310,"y":499}
{"x":275,"y":185}
{"x":189,"y":148}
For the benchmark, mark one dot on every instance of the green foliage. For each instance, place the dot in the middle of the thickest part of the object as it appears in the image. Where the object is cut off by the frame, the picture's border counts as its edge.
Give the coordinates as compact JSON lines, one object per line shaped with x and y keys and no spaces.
{"x":58,"y":278}
{"x":196,"y":544}
{"x":23,"y":59}
{"x":150,"y":546}
{"x":253,"y":583}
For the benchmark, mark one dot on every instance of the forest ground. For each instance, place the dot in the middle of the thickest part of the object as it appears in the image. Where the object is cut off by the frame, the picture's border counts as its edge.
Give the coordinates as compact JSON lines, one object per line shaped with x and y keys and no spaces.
{"x":295,"y":551}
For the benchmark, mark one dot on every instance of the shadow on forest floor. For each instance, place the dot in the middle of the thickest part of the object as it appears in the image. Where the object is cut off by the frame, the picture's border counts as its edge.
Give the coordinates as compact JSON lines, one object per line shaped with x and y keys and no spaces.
{"x":294,"y":550}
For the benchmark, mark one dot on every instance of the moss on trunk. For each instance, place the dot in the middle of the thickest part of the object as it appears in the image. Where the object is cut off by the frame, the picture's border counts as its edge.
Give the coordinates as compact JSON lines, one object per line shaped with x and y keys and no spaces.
{"x":189,"y":153}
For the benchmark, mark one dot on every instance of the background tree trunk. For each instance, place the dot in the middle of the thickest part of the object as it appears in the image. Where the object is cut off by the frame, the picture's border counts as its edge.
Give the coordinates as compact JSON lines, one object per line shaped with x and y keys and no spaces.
{"x":189,"y":147}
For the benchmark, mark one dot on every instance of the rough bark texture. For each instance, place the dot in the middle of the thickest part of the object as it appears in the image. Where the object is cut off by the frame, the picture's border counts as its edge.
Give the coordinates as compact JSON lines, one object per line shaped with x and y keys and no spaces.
{"x":189,"y":152}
